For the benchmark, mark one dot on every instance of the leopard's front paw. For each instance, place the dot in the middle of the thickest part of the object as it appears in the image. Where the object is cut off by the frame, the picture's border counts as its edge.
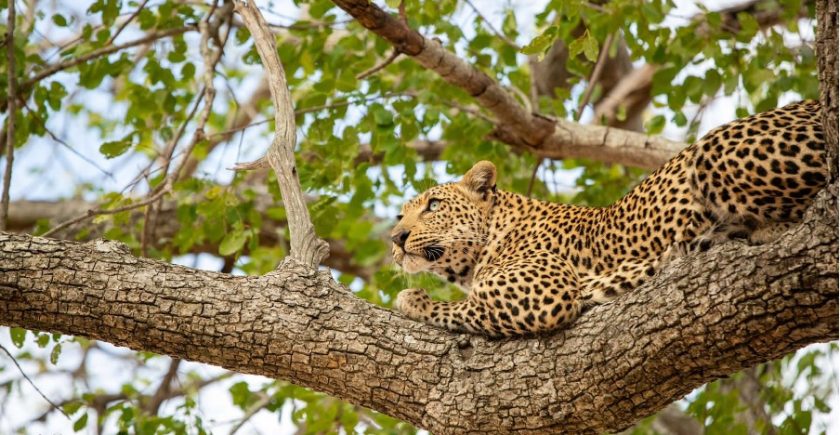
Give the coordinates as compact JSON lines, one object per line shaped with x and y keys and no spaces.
{"x":412,"y":302}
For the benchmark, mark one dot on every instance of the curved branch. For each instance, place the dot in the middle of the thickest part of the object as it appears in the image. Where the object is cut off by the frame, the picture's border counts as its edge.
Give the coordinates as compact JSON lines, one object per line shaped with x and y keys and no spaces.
{"x":701,"y":318}
{"x":306,"y":247}
{"x":549,"y":138}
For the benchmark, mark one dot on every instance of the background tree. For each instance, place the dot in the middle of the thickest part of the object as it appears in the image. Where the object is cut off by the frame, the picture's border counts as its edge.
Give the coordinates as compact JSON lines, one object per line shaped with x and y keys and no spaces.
{"x":127,"y":113}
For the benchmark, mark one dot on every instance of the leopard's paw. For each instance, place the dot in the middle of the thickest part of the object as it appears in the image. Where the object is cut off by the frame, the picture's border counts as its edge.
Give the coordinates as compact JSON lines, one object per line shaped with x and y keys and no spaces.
{"x":412,"y":302}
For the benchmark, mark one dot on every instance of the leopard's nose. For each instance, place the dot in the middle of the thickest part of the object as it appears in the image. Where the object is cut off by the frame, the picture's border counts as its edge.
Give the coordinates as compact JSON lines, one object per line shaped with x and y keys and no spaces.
{"x":400,"y":238}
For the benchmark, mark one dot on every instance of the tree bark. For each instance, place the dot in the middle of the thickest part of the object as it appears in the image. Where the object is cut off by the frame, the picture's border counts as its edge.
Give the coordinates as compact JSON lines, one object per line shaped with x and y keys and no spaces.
{"x":701,"y":318}
{"x":827,"y":66}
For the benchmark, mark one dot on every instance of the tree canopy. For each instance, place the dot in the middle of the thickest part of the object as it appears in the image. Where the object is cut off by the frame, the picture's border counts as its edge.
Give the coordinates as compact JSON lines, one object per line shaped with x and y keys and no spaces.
{"x":122,"y":119}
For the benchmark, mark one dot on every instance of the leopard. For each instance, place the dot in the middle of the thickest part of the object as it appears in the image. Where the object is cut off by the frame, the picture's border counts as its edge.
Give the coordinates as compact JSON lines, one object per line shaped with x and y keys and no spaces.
{"x":529,"y":266}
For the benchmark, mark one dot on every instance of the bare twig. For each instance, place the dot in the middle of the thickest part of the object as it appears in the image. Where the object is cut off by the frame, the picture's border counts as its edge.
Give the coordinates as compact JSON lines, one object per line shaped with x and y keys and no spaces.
{"x":263,"y":401}
{"x":240,"y":125}
{"x":25,"y":376}
{"x":164,"y":389}
{"x":211,"y":59}
{"x":100,"y":402}
{"x":12,"y":114}
{"x":498,"y":34}
{"x":104,"y":51}
{"x":534,"y":176}
{"x":596,"y":75}
{"x":64,"y":143}
{"x":381,"y":66}
{"x":306,"y":247}
{"x":126,"y":22}
{"x":96,"y":212}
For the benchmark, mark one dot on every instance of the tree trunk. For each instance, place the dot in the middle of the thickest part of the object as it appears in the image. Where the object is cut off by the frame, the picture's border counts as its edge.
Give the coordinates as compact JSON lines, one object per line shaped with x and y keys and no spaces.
{"x":701,"y":318}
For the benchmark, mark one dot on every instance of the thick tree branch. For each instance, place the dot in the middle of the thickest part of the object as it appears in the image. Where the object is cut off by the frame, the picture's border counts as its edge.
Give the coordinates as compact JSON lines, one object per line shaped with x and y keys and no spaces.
{"x":515,"y":126}
{"x":701,"y":318}
{"x":306,"y":247}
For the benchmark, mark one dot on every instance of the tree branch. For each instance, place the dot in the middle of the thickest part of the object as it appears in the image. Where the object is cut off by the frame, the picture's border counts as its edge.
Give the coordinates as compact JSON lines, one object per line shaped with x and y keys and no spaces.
{"x":556,"y":139}
{"x":11,"y":76}
{"x":306,"y":247}
{"x":24,"y":216}
{"x":701,"y":318}
{"x":104,"y":51}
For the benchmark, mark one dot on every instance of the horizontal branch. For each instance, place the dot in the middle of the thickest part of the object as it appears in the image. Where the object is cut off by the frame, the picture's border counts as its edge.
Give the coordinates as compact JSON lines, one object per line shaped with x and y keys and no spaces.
{"x":701,"y":318}
{"x":549,"y":138}
{"x":25,"y":215}
{"x":104,"y":51}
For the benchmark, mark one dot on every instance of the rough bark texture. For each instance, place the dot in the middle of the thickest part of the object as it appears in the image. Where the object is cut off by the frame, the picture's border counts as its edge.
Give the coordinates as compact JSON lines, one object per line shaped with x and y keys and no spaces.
{"x":827,"y":65}
{"x":701,"y":318}
{"x":556,"y":139}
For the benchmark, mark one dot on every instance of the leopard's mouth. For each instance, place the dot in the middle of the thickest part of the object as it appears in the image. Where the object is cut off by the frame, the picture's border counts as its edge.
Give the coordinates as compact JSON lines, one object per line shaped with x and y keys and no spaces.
{"x":429,"y":253}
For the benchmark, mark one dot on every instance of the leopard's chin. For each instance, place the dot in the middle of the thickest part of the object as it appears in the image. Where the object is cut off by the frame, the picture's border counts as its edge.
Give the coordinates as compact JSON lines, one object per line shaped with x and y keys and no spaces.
{"x":408,"y":262}
{"x":412,"y":263}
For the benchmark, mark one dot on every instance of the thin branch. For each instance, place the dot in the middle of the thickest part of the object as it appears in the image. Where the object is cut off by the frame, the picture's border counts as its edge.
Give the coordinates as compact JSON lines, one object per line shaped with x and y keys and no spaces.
{"x":301,"y":111}
{"x":104,"y":51}
{"x":97,"y":212}
{"x":499,"y":34}
{"x":394,"y":55}
{"x":25,"y":376}
{"x":126,"y":22}
{"x":534,"y":176}
{"x":163,"y":390}
{"x":263,"y":401}
{"x":596,"y":75}
{"x":64,"y":143}
{"x":11,"y":73}
{"x":306,"y":247}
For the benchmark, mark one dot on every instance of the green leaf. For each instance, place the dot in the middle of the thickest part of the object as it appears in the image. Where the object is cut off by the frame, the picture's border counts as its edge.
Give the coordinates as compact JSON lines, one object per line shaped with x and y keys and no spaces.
{"x":241,"y":394}
{"x":72,"y":407}
{"x":590,"y":47}
{"x":540,"y":44}
{"x":749,"y":26}
{"x":655,"y":125}
{"x":18,"y":335}
{"x":81,"y":423}
{"x":115,"y":148}
{"x":56,"y":352}
{"x":233,"y":242}
{"x":59,"y":20}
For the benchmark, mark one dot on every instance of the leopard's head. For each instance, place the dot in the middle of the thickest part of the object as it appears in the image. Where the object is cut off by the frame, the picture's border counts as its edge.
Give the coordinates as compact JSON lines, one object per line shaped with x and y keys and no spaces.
{"x":444,"y":229}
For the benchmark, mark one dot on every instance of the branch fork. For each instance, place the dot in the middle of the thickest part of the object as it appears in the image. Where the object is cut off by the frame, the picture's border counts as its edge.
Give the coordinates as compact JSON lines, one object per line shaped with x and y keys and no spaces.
{"x":306,"y":246}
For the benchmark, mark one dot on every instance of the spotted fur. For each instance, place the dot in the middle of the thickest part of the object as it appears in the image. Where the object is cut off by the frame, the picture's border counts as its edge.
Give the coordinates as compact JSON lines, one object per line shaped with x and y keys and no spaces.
{"x":530,"y":266}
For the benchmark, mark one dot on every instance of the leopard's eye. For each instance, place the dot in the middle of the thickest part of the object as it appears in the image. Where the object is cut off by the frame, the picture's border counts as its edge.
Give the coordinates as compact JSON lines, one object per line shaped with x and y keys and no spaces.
{"x":434,"y":203}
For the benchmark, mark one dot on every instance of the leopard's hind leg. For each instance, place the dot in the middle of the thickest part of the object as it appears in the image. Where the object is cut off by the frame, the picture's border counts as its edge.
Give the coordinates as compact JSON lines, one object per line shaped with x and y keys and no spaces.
{"x":597,"y":289}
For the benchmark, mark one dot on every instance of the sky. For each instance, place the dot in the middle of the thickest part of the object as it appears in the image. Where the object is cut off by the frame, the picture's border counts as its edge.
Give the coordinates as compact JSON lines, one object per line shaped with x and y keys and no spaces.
{"x":53,"y":176}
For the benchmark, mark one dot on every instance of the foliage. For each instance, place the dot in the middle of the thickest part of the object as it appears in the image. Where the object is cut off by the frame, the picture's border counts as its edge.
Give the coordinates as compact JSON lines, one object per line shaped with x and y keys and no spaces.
{"x":133,"y":103}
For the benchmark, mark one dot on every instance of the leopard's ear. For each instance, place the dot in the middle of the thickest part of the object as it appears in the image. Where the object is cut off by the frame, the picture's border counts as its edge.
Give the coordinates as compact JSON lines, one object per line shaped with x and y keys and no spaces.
{"x":481,"y":178}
